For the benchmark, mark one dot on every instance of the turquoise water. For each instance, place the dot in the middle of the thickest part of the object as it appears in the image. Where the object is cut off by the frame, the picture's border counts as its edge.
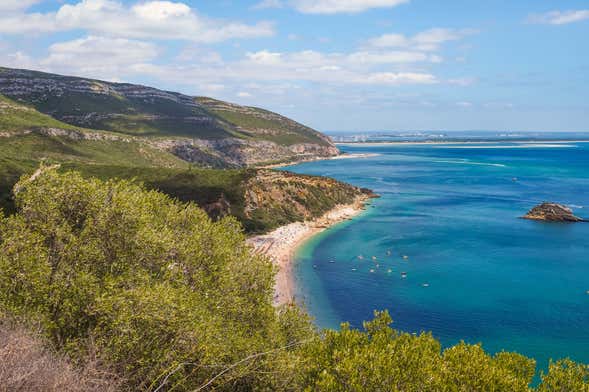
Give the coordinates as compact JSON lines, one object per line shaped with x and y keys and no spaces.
{"x":474,"y":270}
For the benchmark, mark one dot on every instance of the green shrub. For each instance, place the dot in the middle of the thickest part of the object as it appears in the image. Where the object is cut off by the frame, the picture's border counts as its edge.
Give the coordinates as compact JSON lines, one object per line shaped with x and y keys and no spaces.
{"x":154,"y":283}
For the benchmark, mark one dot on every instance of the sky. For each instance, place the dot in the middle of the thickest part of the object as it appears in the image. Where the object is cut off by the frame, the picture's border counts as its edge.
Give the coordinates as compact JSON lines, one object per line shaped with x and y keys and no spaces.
{"x":335,"y":65}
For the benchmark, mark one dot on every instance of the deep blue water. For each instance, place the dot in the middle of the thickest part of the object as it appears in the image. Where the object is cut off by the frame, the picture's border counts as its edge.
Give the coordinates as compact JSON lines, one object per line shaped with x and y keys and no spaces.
{"x":474,"y":270}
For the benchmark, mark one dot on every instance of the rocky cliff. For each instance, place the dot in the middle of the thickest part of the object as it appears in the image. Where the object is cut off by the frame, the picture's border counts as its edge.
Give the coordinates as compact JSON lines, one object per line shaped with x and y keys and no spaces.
{"x":200,"y":130}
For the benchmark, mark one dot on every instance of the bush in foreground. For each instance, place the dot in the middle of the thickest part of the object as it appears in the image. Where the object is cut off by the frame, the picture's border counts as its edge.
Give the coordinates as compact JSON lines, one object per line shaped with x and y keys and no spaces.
{"x":163,"y":293}
{"x":26,"y":364}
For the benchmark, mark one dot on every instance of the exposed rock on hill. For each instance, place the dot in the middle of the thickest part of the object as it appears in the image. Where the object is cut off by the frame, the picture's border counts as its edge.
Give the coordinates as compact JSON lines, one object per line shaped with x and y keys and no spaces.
{"x":199,"y":130}
{"x":279,"y":197}
{"x":552,"y":212}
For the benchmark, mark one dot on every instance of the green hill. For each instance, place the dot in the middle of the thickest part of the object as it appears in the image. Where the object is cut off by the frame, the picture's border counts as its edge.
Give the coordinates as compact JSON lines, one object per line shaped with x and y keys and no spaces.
{"x":163,"y":139}
{"x":184,"y":125}
{"x":29,"y":137}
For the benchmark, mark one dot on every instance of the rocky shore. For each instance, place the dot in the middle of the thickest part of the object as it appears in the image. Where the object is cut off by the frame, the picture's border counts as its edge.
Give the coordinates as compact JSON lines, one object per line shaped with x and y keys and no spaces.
{"x":552,"y":212}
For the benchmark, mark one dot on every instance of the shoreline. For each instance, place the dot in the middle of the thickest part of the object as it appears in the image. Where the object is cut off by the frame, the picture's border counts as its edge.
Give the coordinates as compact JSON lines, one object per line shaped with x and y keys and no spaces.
{"x":315,"y":159}
{"x":281,"y":244}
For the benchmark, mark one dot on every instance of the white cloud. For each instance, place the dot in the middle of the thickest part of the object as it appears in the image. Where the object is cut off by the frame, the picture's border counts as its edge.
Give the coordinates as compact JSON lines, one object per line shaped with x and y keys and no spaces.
{"x":151,"y":19}
{"x":389,"y":41}
{"x":18,"y":60}
{"x":428,"y":40}
{"x":305,"y":66}
{"x":99,"y":57}
{"x":16,"y":5}
{"x":244,"y":94}
{"x":464,"y":104}
{"x":391,"y":57}
{"x":338,"y":61}
{"x":199,"y":54}
{"x":463,"y":82}
{"x":398,"y":78}
{"x":264,"y":57}
{"x":342,"y":6}
{"x":265,"y":4}
{"x":499,"y":105}
{"x":329,"y":6}
{"x":559,"y":17}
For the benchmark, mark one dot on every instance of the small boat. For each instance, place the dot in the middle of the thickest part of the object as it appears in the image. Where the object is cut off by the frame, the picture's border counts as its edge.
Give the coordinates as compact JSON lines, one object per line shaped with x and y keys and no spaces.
{"x":388,"y":252}
{"x":514,"y":179}
{"x":425,"y":285}
{"x":405,"y":257}
{"x":373,"y":257}
{"x":360,"y":257}
{"x":353,"y":269}
{"x":372,"y":271}
{"x":389,"y":270}
{"x":332,"y":261}
{"x":403,"y":274}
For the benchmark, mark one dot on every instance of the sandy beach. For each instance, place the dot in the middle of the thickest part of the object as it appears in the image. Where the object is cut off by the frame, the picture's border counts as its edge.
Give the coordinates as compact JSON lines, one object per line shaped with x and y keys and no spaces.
{"x":280,"y":245}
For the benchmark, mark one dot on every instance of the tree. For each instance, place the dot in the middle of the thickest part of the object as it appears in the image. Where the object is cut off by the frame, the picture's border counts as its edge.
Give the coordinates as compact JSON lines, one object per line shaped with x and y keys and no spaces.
{"x":155,"y":284}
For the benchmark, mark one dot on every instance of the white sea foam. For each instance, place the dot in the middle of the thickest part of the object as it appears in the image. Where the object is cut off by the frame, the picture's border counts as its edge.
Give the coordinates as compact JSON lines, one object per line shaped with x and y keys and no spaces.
{"x":472,"y":163}
{"x":529,"y":145}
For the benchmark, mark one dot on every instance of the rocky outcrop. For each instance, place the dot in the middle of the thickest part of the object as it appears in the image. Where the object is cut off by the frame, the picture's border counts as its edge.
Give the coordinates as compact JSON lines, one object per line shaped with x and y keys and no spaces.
{"x":236,"y":152}
{"x":294,"y":197}
{"x":25,"y":83}
{"x":69,"y":134}
{"x":552,"y":212}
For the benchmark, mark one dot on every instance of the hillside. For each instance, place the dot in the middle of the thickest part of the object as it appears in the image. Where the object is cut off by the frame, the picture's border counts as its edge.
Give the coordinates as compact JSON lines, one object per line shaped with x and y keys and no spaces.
{"x":260,"y":199}
{"x":188,"y":127}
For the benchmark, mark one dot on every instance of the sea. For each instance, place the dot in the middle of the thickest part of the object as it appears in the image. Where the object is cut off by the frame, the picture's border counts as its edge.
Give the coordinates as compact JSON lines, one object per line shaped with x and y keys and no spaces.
{"x":444,"y":248}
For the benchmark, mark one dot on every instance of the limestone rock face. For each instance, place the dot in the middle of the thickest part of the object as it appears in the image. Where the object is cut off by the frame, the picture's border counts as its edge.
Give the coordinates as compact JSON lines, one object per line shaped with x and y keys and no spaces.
{"x":552,"y":212}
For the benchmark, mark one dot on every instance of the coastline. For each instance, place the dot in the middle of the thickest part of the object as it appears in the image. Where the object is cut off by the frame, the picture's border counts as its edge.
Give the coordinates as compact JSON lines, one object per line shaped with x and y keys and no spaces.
{"x":337,"y":157}
{"x":281,"y":244}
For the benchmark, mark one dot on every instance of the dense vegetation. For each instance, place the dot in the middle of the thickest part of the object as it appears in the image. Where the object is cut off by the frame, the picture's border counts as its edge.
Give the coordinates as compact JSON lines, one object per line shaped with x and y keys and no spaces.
{"x":260,"y":123}
{"x":171,"y":300}
{"x":282,"y":197}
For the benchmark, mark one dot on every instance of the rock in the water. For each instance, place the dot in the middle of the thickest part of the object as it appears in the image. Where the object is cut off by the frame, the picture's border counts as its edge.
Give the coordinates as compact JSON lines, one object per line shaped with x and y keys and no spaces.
{"x":552,"y":212}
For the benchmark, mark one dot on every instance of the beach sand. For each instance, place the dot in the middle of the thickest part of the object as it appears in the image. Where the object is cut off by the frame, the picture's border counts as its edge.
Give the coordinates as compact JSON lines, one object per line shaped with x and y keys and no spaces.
{"x":281,"y":244}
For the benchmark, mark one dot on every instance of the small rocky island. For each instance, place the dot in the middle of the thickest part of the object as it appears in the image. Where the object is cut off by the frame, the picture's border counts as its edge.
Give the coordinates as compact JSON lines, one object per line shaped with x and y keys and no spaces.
{"x":552,"y":212}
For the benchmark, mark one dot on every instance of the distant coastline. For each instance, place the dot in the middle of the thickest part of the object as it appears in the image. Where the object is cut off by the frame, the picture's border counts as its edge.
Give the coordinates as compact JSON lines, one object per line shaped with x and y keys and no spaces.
{"x":445,"y":142}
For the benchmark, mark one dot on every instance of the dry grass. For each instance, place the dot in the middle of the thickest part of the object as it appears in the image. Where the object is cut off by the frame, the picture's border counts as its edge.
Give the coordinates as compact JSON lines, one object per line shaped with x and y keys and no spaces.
{"x":26,"y":364}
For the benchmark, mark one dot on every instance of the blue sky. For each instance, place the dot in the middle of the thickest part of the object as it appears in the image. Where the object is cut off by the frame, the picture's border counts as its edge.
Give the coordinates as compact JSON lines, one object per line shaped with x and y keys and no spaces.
{"x":351,"y":65}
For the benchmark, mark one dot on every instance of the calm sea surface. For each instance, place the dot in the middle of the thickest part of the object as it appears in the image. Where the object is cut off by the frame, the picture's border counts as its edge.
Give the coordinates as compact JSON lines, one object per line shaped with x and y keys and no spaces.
{"x":473,"y":270}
